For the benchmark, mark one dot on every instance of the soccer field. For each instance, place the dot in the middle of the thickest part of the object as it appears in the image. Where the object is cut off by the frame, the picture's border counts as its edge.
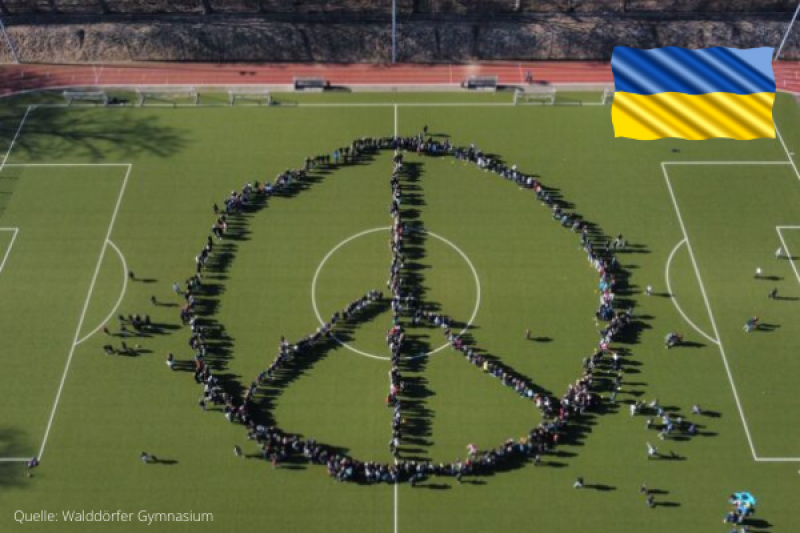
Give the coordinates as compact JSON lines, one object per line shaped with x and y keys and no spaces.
{"x":90,"y":195}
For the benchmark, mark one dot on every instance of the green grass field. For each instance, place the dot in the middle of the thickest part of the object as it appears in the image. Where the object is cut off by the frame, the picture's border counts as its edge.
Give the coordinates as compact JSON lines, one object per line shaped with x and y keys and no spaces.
{"x":87,"y":194}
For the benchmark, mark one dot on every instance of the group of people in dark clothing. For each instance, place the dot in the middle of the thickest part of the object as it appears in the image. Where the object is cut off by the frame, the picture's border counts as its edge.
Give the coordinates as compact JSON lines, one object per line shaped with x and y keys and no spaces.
{"x":278,"y":446}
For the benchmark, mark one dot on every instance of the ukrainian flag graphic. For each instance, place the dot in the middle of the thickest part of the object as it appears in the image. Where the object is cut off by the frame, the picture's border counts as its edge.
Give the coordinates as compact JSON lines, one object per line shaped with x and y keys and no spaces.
{"x":693,"y":94}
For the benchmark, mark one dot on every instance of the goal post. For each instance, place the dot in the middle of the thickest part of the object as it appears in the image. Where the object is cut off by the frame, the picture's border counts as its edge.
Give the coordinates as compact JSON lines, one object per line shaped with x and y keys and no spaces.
{"x":608,"y":95}
{"x":255,"y":95}
{"x":169,"y":95}
{"x":541,"y":96}
{"x":95,"y":97}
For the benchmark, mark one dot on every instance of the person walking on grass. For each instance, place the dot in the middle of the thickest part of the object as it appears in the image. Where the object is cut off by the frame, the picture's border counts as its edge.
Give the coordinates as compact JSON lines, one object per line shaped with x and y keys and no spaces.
{"x":773,"y":294}
{"x":751,"y":324}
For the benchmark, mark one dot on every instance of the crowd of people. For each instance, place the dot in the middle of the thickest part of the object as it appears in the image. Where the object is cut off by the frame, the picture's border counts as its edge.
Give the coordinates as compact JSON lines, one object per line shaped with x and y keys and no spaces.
{"x":396,"y":283}
{"x":278,"y":446}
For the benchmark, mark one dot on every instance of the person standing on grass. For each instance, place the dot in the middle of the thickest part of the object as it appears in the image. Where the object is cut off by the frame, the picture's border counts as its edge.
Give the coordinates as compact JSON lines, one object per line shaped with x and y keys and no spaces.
{"x":652,"y":451}
{"x":773,"y":294}
{"x":779,"y":253}
{"x":171,"y":361}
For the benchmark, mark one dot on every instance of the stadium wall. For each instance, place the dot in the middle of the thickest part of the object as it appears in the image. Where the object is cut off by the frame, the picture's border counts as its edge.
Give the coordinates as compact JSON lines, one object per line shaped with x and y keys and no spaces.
{"x":66,"y":31}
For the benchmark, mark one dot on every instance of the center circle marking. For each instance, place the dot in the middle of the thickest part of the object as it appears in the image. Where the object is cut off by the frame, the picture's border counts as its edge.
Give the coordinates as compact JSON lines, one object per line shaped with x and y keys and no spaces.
{"x":388,"y":228}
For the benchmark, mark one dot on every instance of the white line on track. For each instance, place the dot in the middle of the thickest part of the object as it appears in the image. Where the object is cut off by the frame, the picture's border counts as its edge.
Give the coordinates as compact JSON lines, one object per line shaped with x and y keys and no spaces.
{"x":8,"y":250}
{"x":85,"y":308}
{"x":675,"y":300}
{"x":119,"y":300}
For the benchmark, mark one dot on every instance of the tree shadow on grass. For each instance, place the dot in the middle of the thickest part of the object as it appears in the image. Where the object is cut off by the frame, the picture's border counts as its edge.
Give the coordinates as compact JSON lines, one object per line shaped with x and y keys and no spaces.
{"x":53,"y":134}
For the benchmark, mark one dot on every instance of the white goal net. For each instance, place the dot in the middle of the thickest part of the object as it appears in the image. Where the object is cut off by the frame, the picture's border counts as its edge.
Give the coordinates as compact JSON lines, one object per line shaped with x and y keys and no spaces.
{"x":89,"y":97}
{"x":168,"y":95}
{"x":608,"y":96}
{"x":540,"y":96}
{"x":249,"y":96}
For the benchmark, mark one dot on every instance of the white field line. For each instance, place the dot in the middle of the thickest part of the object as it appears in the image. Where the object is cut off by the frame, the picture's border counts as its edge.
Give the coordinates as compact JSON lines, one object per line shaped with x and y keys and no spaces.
{"x":713,"y":321}
{"x":783,"y":243}
{"x":396,"y":512}
{"x":119,"y":300}
{"x":353,"y":349}
{"x":675,"y":300}
{"x":14,"y":140}
{"x":726,"y":162}
{"x":785,"y":149}
{"x":85,"y":307}
{"x":69,"y":165}
{"x":8,"y":250}
{"x":15,"y":459}
{"x":710,"y":312}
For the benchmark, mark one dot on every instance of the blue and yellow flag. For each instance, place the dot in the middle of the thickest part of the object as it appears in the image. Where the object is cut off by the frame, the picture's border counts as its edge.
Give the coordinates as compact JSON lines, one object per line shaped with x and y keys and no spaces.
{"x":693,"y":94}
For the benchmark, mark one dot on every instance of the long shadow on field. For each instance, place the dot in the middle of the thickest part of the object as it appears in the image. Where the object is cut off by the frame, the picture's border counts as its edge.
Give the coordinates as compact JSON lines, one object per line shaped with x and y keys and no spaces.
{"x":606,"y":376}
{"x":268,"y":394}
{"x":53,"y":134}
{"x":12,"y":474}
{"x":220,"y":345}
{"x":418,"y":417}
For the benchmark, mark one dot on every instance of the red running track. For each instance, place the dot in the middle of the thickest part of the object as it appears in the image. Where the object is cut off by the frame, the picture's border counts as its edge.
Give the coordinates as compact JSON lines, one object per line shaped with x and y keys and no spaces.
{"x":15,"y":78}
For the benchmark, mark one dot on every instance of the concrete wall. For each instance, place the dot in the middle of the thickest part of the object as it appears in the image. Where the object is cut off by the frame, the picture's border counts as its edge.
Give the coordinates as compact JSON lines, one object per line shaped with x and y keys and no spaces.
{"x":255,"y":39}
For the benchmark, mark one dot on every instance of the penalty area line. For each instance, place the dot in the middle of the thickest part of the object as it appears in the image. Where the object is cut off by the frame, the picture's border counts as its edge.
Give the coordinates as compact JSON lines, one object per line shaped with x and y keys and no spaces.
{"x":83,"y":312}
{"x":710,"y":312}
{"x":11,"y":244}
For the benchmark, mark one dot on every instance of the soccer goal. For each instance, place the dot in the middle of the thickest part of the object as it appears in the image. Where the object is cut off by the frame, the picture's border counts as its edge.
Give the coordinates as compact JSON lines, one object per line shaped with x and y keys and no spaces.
{"x":249,"y":96}
{"x":541,"y":96}
{"x":608,"y":96}
{"x":168,"y":95}
{"x":92,"y":97}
